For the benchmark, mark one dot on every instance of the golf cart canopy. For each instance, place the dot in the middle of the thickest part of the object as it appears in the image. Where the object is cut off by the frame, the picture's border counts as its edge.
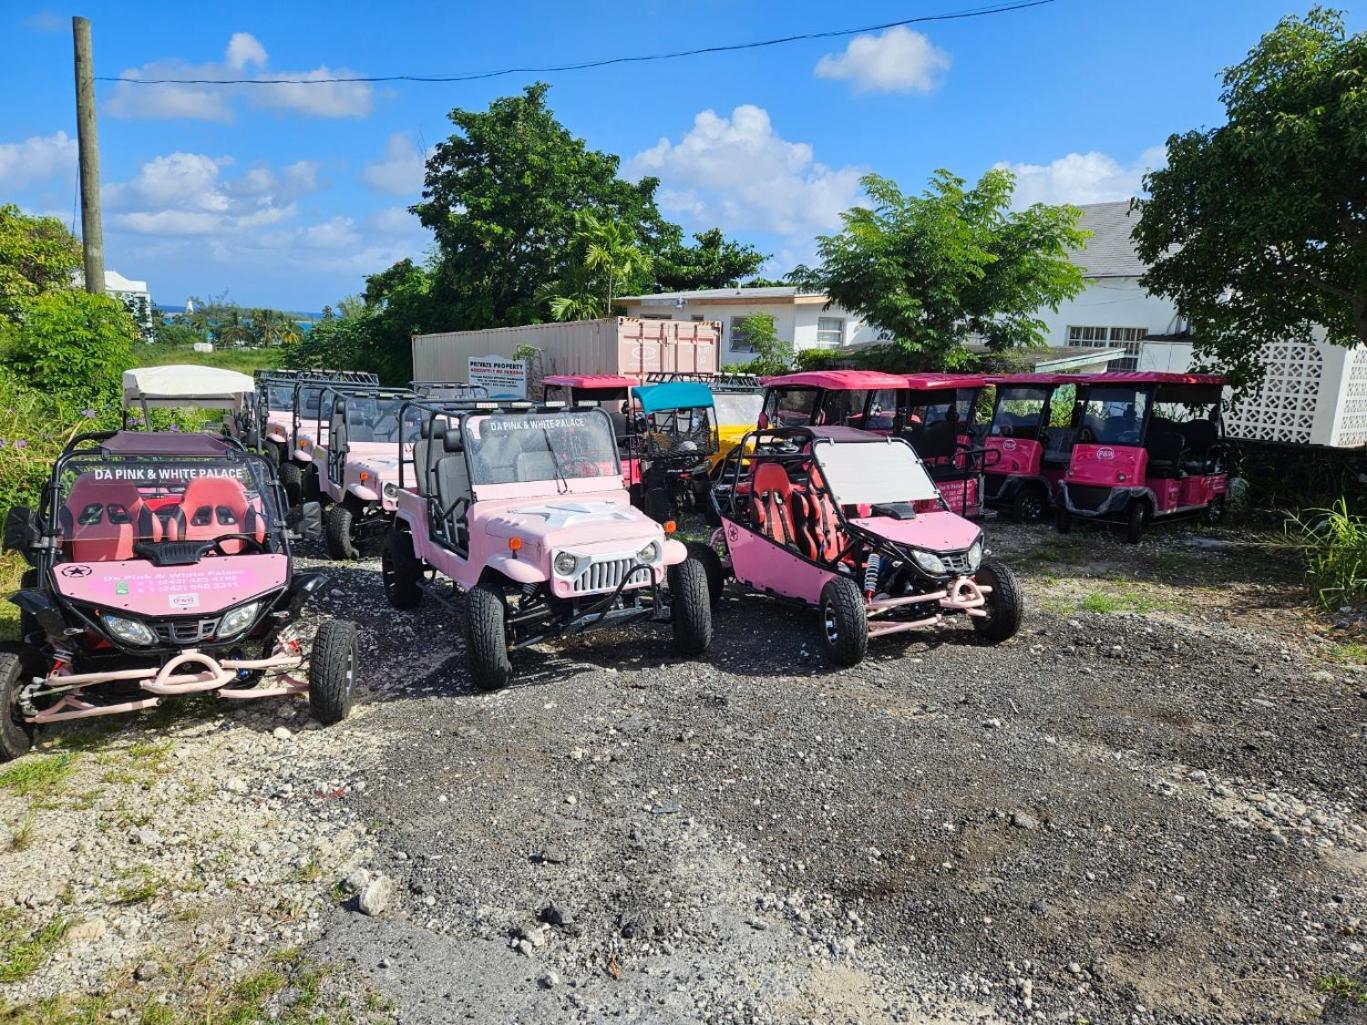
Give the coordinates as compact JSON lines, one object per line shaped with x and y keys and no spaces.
{"x":837,"y":380}
{"x":1153,"y":377}
{"x":1037,"y":380}
{"x":184,"y":385}
{"x":1184,"y":389}
{"x":582,"y":381}
{"x":674,"y":395}
{"x":864,"y":469}
{"x":942,"y":382}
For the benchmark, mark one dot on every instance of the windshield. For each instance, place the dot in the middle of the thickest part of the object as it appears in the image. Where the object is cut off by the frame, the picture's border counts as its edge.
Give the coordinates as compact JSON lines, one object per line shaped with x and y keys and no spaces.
{"x":453,"y":392}
{"x":1020,"y":411}
{"x":873,"y":473}
{"x":516,"y":449}
{"x":374,"y":419}
{"x":738,"y":409}
{"x":310,"y":398}
{"x":1113,"y":416}
{"x":108,"y":507}
{"x":790,"y":407}
{"x":280,"y":396}
{"x":925,"y":408}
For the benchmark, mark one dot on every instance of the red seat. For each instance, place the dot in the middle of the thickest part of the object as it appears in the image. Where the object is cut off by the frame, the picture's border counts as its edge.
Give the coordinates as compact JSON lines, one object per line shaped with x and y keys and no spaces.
{"x":772,"y":502}
{"x":817,"y":521}
{"x":214,"y":506}
{"x":102,"y":520}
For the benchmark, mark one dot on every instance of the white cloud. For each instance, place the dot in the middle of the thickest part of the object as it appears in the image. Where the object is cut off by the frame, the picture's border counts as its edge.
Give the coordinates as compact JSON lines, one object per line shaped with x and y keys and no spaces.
{"x":896,"y":61}
{"x":218,"y":102}
{"x":187,"y":194}
{"x":46,"y":21}
{"x":400,"y":171}
{"x":39,"y":158}
{"x":1083,"y":178}
{"x":738,"y":173}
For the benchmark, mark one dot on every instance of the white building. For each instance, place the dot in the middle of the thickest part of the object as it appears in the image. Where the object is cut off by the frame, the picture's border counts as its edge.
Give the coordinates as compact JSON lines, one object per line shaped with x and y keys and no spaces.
{"x":799,"y":317}
{"x":135,"y":298}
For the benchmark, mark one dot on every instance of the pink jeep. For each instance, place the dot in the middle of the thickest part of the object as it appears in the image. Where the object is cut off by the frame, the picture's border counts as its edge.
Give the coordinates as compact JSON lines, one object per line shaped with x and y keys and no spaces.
{"x":850,"y":523}
{"x":358,"y":441}
{"x":526,"y":513}
{"x":289,"y":432}
{"x":161,"y":567}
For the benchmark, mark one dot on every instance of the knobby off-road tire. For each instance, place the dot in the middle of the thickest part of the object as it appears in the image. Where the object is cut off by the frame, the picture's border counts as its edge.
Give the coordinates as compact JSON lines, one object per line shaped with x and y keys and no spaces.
{"x":292,"y":480}
{"x":707,"y":557}
{"x":16,"y":736}
{"x":401,"y":570}
{"x":1004,"y":605}
{"x":1136,"y":519}
{"x":332,"y":671}
{"x":486,"y":637}
{"x":337,"y":533}
{"x":690,"y":605}
{"x":844,"y":624}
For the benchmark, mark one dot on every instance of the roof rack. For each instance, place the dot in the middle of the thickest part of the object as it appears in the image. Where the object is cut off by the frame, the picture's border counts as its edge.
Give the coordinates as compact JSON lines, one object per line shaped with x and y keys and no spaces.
{"x":718,"y":382}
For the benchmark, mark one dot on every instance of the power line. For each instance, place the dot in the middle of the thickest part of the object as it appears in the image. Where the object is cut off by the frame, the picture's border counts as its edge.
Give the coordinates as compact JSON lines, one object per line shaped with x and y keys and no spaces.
{"x":472,"y":76}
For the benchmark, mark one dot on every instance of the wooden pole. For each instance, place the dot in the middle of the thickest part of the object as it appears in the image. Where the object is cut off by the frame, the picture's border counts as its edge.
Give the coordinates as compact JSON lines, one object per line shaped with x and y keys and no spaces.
{"x":92,"y":233}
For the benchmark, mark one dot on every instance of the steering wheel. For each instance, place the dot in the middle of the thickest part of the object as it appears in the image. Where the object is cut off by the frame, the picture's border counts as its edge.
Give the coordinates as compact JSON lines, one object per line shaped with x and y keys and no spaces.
{"x":216,"y":545}
{"x":1086,"y":436}
{"x":581,"y":467}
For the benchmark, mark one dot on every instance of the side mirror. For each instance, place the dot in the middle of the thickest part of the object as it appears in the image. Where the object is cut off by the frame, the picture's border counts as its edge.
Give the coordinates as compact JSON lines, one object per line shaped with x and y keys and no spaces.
{"x":305,"y":522}
{"x":21,"y":531}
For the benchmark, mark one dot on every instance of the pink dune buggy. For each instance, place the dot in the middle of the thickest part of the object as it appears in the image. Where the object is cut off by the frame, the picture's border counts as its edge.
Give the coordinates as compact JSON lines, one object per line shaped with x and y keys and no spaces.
{"x":1031,"y":436}
{"x":1147,"y":446}
{"x":933,"y":412}
{"x":851,"y":524}
{"x":160,"y":568}
{"x":526,"y":513}
{"x":358,"y":442}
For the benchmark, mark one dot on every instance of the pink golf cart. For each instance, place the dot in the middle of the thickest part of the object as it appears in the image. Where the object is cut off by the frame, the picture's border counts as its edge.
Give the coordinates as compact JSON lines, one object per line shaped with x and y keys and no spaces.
{"x":933,"y":412}
{"x":358,"y":443}
{"x":160,"y":567}
{"x":1031,"y":434}
{"x":1147,"y":446}
{"x":526,"y":513}
{"x":850,"y":523}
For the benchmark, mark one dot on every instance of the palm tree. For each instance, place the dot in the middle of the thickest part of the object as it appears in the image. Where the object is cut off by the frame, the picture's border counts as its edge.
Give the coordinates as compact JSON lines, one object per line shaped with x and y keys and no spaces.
{"x":610,"y":248}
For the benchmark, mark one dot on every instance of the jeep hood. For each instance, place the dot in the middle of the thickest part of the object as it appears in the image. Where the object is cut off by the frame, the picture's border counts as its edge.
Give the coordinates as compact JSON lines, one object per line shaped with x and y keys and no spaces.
{"x":566,"y":522}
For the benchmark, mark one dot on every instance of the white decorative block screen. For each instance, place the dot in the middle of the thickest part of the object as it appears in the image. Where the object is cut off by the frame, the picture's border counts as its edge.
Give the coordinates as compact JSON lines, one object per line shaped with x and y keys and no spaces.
{"x":1283,"y":406}
{"x":1351,"y":429}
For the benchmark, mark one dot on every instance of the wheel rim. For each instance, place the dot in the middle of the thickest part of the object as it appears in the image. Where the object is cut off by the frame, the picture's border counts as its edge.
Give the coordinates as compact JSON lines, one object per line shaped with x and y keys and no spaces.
{"x":1032,"y":507}
{"x":828,"y":619}
{"x":350,"y":669}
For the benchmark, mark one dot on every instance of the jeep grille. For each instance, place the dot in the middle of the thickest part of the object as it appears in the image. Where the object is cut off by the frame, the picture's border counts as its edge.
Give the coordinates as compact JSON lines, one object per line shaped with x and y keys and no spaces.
{"x":186,"y":631}
{"x":603,"y":576}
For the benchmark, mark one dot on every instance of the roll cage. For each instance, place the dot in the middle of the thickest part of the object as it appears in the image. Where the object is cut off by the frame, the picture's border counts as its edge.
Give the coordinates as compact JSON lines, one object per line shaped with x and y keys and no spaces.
{"x":344,"y":406}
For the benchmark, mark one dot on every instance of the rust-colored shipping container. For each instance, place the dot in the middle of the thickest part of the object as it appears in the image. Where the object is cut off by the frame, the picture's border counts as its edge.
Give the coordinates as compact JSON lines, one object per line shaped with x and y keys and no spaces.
{"x":618,"y":345}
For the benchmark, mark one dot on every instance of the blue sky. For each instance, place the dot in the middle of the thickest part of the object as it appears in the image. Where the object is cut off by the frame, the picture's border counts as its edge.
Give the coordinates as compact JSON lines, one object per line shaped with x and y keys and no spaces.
{"x":289,"y":195}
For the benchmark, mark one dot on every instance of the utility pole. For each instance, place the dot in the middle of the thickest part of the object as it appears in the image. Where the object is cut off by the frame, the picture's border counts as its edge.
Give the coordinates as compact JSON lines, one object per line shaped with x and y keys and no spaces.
{"x":92,"y":233}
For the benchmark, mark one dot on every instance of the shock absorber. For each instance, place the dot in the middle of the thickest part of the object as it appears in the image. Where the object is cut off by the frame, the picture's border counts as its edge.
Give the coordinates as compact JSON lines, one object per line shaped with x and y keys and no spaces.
{"x":871,"y":567}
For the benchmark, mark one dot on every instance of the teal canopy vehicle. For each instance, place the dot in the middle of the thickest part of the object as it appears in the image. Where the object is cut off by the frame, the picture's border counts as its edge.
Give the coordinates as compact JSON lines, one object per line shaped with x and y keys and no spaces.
{"x":676,"y":423}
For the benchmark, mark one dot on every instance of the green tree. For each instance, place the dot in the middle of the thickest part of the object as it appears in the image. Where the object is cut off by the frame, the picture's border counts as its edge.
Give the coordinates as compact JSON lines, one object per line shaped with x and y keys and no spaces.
{"x":36,"y":254}
{"x":937,"y":269}
{"x":501,"y":198}
{"x":602,"y":254}
{"x":713,"y":261}
{"x":70,"y":342}
{"x":1257,"y":230}
{"x":773,"y":354}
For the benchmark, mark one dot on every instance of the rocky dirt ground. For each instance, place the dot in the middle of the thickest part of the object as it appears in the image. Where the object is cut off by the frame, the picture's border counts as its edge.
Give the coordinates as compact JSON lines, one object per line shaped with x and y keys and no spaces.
{"x":1149,"y":807}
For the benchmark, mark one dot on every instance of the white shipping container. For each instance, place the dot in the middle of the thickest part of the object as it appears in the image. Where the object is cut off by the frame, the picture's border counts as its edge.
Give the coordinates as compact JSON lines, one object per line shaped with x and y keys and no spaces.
{"x":618,"y":345}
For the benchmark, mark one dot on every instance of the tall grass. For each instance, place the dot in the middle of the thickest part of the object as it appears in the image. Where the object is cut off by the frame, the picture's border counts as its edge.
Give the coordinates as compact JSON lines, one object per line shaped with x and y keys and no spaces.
{"x":1334,"y":545}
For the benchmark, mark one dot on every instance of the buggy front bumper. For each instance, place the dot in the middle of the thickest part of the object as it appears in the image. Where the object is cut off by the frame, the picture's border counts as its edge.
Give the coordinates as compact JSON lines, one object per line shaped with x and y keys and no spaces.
{"x":174,"y":679}
{"x":1113,"y":505}
{"x":962,"y":594}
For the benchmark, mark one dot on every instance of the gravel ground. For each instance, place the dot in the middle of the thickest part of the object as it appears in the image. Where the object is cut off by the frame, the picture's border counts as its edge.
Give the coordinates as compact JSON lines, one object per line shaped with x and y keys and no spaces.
{"x":1123,"y":816}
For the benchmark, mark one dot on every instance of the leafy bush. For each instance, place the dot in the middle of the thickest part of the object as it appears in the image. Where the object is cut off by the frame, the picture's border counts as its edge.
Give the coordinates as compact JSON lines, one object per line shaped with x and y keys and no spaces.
{"x":69,"y":343}
{"x":817,"y":359}
{"x":1334,"y":545}
{"x":773,"y":354}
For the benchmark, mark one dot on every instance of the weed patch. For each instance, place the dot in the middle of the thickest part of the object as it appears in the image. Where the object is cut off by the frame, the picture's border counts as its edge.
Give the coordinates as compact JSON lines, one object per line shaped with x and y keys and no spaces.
{"x":23,"y":952}
{"x":38,"y":773}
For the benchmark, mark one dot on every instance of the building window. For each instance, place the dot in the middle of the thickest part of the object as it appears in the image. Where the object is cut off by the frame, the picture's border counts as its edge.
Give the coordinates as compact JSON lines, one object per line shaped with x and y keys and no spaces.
{"x":830,"y":332}
{"x":657,"y":316}
{"x":1131,"y":339}
{"x":740,"y":341}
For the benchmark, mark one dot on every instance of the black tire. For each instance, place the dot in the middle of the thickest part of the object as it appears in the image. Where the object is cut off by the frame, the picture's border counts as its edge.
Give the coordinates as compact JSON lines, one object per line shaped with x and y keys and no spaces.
{"x":658,"y":504}
{"x":1063,"y":520}
{"x":1004,"y":605}
{"x":337,"y":533}
{"x":16,"y":736}
{"x":486,"y":637}
{"x":1214,"y":513}
{"x":401,"y":569}
{"x":690,"y":603}
{"x":292,"y":480}
{"x":272,"y":453}
{"x":332,"y":671}
{"x":844,"y":624}
{"x":1136,"y":519}
{"x":1030,"y":504}
{"x":707,"y":557}
{"x":310,"y":486}
{"x":28,"y":623}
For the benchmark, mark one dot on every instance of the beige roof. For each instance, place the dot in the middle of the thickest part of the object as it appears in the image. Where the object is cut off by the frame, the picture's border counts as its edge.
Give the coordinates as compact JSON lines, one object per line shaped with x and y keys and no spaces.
{"x":1109,"y":253}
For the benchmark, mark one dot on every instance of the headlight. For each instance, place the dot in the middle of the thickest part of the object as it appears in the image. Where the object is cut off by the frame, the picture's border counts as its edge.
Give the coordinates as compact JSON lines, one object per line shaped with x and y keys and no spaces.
{"x":238,"y":619}
{"x":129,"y":631}
{"x":929,"y":562}
{"x":391,"y":491}
{"x":975,"y":556}
{"x":649,"y":553}
{"x":565,"y":564}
